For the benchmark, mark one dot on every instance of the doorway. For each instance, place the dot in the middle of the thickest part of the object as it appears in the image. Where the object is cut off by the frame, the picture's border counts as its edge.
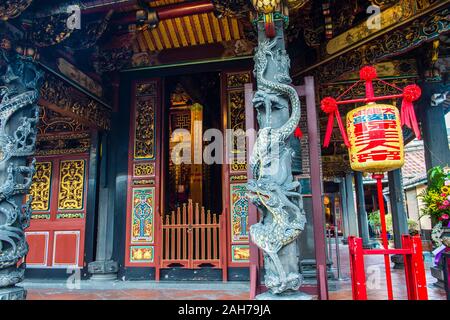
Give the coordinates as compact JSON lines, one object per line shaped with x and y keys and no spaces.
{"x":191,"y":225}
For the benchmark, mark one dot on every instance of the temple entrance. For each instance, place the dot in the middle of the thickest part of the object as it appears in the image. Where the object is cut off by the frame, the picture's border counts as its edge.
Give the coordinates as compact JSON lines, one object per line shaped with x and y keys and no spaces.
{"x":192,"y":224}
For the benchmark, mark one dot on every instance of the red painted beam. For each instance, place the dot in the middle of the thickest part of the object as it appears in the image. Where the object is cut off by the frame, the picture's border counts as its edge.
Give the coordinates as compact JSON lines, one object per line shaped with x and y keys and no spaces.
{"x":184,"y":9}
{"x":172,"y":11}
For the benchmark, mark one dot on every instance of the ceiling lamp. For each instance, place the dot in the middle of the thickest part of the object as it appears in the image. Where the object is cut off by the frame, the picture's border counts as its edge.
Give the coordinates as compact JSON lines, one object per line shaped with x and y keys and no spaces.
{"x":147,"y":16}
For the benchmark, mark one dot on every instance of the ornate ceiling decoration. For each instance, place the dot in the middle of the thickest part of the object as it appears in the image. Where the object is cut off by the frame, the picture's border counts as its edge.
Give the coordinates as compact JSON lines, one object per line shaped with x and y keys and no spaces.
{"x":294,"y":5}
{"x":89,"y":34}
{"x":50,"y":30}
{"x":112,"y":59}
{"x":232,"y":8}
{"x":188,"y":31}
{"x":10,"y":9}
{"x":65,"y":99}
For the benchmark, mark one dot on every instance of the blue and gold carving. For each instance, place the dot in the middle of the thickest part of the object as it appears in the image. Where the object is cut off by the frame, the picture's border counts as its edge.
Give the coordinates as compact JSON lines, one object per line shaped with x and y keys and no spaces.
{"x":239,"y":213}
{"x":143,"y":208}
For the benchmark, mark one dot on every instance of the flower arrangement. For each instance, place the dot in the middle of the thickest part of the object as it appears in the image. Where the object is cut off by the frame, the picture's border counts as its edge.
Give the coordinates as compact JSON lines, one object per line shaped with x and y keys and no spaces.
{"x":436,"y":196}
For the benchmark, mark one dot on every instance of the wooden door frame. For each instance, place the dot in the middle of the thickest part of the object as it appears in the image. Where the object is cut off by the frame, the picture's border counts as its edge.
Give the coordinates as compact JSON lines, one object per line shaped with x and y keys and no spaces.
{"x":158,"y":180}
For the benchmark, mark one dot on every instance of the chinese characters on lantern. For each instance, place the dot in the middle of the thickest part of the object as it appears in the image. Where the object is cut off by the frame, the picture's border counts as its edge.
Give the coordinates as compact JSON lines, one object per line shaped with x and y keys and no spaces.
{"x":375,"y":137}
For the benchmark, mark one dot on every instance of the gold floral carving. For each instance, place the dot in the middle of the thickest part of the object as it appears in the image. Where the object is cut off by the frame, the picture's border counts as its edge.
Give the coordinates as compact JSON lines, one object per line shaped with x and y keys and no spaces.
{"x":71,"y":185}
{"x":238,"y":80}
{"x":144,"y":169}
{"x":40,"y":188}
{"x":58,"y":94}
{"x":241,"y":177}
{"x":236,"y":116}
{"x":144,"y":136}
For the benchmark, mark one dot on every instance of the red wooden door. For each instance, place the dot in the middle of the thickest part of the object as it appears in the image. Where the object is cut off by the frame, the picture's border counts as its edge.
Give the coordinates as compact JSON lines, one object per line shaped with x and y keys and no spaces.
{"x":56,"y":233}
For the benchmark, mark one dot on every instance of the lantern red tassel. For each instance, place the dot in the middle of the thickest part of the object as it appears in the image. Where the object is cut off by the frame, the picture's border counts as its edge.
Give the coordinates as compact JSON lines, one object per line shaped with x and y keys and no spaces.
{"x":368,"y":73}
{"x":411,"y":93}
{"x":298,"y":133}
{"x":330,"y":107}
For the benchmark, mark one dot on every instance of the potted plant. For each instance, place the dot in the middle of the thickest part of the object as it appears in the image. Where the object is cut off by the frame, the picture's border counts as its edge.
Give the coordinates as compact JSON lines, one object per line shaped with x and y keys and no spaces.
{"x":436,"y":198}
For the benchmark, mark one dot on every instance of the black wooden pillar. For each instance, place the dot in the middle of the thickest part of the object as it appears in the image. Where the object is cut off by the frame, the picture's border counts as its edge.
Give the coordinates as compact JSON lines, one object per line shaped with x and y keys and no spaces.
{"x":105,"y":267}
{"x":352,"y":220}
{"x":363,"y":224}
{"x":398,"y":211}
{"x":434,"y":129}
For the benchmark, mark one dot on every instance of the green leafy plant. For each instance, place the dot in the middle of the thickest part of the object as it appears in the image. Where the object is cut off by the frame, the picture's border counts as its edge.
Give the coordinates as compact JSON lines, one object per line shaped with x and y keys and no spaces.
{"x":375,"y":222}
{"x":374,"y":219}
{"x":436,"y":196}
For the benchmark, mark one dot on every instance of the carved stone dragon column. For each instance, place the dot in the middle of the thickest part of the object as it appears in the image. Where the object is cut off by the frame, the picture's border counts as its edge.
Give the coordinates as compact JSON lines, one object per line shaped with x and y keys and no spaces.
{"x":273,"y":189}
{"x":19,"y":114}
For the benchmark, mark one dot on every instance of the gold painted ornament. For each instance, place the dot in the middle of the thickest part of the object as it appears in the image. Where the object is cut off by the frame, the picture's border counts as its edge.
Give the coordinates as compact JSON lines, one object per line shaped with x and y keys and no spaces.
{"x":268,"y":8}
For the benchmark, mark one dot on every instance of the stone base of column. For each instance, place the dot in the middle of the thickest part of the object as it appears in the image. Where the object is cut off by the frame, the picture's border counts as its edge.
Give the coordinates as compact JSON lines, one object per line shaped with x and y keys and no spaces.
{"x":13,"y":293}
{"x":370,"y":245}
{"x":103,"y":270}
{"x":285,"y":296}
{"x":398,"y":261}
{"x":438,"y":274}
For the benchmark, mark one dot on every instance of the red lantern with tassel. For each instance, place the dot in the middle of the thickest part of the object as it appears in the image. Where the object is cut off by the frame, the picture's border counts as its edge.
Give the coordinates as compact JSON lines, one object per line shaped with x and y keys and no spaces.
{"x":375,"y":143}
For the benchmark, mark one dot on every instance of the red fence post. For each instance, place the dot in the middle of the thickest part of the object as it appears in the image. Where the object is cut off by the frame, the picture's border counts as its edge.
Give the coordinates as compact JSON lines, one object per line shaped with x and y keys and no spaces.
{"x":409,"y":270}
{"x":419,"y":268}
{"x":357,"y":271}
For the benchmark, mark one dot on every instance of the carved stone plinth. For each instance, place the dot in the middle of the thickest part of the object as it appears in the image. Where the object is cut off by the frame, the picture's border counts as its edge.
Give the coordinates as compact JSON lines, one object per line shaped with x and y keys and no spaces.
{"x":398,"y":261}
{"x":13,"y":293}
{"x":290,"y":295}
{"x":103,"y":270}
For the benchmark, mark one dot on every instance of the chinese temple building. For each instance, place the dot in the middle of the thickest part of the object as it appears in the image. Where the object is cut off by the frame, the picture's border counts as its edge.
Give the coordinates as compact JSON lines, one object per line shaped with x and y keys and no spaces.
{"x":123,"y":84}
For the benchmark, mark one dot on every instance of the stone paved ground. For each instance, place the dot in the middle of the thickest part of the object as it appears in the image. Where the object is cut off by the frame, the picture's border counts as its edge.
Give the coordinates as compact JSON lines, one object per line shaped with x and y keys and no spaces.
{"x":149,"y":290}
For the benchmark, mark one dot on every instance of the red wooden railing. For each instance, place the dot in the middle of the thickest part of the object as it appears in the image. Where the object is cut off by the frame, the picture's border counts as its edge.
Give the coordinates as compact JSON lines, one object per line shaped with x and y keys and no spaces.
{"x":415,"y":279}
{"x":191,"y":237}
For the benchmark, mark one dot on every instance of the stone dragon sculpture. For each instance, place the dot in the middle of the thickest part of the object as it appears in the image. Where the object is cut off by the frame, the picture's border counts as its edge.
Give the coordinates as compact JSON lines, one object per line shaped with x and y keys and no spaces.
{"x":273,"y":189}
{"x":19,"y":114}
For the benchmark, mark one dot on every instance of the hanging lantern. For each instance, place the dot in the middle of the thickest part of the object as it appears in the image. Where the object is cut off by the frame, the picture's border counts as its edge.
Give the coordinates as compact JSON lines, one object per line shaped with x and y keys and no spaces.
{"x":374,"y":134}
{"x":376,"y":138}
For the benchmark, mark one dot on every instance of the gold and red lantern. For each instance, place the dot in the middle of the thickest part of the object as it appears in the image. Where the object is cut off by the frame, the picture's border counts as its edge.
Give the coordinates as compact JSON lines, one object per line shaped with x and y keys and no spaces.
{"x":376,"y":139}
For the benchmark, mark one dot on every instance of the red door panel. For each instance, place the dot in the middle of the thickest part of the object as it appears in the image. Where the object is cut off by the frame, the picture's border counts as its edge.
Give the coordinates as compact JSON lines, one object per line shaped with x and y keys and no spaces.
{"x":38,"y":244}
{"x":57,"y":228}
{"x":66,"y":247}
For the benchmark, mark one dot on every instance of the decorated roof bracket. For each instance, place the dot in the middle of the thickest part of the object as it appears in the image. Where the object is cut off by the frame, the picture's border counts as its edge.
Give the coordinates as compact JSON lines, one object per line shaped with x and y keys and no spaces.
{"x":368,"y":75}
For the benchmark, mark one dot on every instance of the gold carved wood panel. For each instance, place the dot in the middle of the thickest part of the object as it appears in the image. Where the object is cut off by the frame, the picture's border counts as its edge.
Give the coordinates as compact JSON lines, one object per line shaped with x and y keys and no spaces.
{"x":71,"y":185}
{"x":235,"y":83}
{"x":40,"y":188}
{"x":143,"y":192}
{"x":144,"y":133}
